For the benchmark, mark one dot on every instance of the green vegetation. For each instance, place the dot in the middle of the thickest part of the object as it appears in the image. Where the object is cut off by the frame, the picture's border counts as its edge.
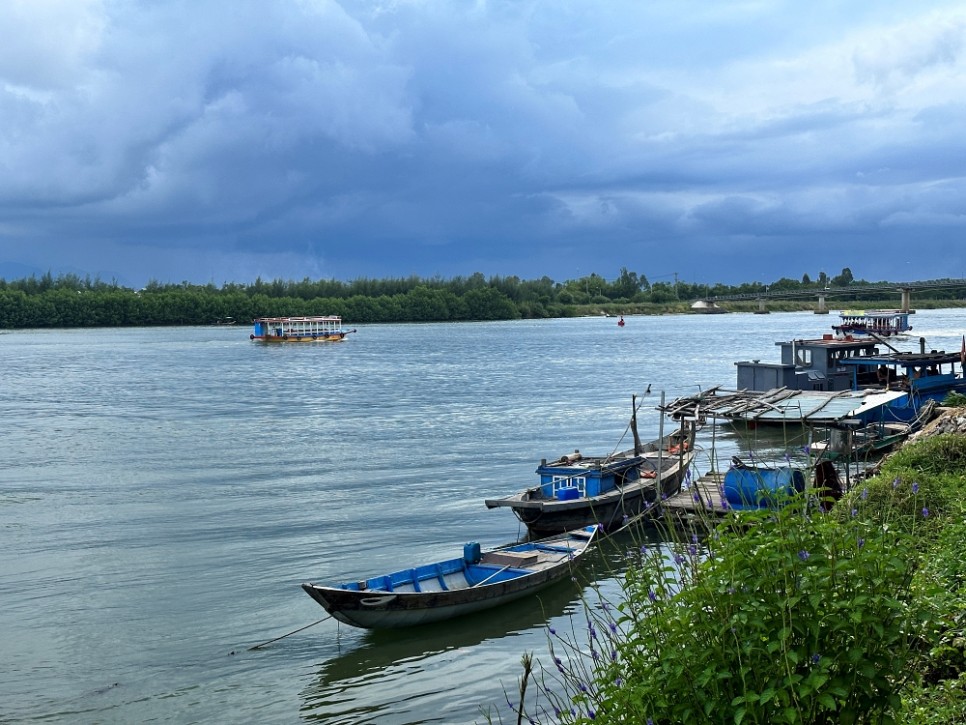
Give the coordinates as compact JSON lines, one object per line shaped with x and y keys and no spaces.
{"x":785,"y":616}
{"x":69,"y":301}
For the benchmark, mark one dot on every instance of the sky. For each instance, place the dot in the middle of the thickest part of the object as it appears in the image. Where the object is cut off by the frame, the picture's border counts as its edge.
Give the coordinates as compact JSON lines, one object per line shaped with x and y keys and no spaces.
{"x":707,"y":141}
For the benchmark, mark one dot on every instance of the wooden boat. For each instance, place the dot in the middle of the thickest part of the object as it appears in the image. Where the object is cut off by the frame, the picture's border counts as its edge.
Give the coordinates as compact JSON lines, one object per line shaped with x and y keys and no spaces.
{"x":454,"y":587}
{"x":299,"y":329}
{"x":831,"y":364}
{"x":577,"y":490}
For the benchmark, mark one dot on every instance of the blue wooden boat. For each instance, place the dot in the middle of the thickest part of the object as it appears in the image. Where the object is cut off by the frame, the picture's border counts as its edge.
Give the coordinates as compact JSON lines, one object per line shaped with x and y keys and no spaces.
{"x":454,"y":587}
{"x":835,"y":364}
{"x":577,"y":490}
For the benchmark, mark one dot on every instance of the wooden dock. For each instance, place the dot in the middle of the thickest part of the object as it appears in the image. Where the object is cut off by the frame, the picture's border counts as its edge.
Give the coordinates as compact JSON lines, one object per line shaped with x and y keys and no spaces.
{"x":702,"y":499}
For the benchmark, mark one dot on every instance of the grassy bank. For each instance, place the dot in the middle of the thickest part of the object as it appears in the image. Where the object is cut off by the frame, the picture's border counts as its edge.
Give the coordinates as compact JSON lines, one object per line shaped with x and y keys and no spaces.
{"x":784,"y":616}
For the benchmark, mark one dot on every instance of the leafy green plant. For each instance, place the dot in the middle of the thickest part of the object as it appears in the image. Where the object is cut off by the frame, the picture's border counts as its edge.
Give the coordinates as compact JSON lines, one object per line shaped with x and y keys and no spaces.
{"x":778,"y":616}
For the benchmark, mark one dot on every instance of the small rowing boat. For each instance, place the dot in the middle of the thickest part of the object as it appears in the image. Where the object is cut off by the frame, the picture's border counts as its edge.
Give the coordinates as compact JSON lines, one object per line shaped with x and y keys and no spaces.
{"x":454,"y":587}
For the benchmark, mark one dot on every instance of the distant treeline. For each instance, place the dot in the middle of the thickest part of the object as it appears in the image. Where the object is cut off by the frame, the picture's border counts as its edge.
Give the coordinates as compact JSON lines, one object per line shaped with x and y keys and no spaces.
{"x":69,"y":301}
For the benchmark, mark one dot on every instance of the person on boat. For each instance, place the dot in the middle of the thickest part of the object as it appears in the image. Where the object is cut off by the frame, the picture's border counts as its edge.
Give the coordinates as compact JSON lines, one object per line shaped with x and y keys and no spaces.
{"x":884,"y":375}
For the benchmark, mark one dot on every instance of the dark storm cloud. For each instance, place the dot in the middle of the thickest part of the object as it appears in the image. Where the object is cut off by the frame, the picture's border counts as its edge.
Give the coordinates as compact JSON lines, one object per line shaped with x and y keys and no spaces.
{"x":222,"y":141}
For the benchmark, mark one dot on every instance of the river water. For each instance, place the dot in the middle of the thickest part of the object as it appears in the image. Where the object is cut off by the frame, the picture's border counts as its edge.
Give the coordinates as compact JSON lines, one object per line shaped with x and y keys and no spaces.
{"x":163,"y":493}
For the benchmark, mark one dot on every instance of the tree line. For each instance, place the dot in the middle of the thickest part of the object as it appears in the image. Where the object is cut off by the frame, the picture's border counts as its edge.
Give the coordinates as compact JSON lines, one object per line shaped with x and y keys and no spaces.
{"x":71,"y":301}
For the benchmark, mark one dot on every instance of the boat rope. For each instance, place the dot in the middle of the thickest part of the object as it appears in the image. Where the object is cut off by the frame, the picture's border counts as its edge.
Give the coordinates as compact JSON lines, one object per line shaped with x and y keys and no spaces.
{"x":294,"y":631}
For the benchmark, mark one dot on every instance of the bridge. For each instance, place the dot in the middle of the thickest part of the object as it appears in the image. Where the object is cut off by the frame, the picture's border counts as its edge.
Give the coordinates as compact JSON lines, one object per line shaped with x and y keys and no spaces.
{"x":904,"y":288}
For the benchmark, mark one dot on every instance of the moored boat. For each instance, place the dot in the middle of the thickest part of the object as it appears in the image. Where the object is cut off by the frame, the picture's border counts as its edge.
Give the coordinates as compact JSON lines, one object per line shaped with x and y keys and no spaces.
{"x":578,"y":490}
{"x":454,"y":587}
{"x":299,"y":329}
{"x":860,"y":365}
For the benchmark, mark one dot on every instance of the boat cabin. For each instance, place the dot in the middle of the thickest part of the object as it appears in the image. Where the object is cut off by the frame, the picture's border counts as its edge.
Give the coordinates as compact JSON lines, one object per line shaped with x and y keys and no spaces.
{"x":807,"y":365}
{"x":576,"y":476}
{"x":925,"y":375}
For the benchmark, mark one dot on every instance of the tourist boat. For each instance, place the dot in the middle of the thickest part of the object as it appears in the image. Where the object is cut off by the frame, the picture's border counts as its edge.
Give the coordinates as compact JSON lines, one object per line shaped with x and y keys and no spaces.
{"x":299,"y":329}
{"x":577,"y":490}
{"x":869,"y":323}
{"x":454,"y":587}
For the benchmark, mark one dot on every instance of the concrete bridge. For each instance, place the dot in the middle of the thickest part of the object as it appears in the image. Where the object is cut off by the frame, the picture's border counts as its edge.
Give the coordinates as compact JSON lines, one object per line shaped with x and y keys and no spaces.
{"x":905,"y":290}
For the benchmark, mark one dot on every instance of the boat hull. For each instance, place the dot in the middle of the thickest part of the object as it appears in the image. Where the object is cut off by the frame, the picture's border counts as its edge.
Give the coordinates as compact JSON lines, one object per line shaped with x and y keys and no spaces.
{"x":361,"y":605}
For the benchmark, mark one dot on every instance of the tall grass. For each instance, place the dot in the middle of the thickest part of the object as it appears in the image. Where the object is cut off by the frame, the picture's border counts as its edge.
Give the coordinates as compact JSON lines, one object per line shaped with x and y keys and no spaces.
{"x":785,"y":615}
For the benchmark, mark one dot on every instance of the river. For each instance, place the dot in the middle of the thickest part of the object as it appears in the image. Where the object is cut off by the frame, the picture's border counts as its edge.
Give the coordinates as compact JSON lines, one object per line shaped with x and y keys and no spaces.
{"x":163,"y":493}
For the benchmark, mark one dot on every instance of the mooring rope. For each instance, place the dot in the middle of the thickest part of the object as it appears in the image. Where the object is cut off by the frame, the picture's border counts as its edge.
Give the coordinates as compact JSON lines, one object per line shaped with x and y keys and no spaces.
{"x":294,"y":631}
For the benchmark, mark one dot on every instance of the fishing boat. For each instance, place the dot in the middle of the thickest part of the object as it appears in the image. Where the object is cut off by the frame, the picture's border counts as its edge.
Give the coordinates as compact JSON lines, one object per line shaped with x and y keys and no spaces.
{"x":867,"y":441}
{"x":863,"y":366}
{"x":299,"y":329}
{"x":577,"y":490}
{"x":454,"y":587}
{"x":865,"y":323}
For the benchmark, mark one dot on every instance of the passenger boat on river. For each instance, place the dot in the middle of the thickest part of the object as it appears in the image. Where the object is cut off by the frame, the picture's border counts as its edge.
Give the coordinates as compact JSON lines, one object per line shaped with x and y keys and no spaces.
{"x":867,"y":323}
{"x":299,"y":329}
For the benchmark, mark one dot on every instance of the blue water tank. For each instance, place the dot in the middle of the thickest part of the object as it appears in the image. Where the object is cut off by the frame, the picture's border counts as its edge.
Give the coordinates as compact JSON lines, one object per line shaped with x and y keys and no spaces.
{"x":749,"y":487}
{"x":568,"y":493}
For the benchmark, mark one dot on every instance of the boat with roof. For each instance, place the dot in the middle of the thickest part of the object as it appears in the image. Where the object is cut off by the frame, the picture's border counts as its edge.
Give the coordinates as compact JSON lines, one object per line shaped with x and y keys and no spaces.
{"x":865,"y":323}
{"x":578,"y":490}
{"x":299,"y":329}
{"x":864,"y":366}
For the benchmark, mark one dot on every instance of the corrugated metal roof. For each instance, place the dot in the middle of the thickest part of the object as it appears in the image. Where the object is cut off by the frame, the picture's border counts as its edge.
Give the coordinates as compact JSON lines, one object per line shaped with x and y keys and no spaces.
{"x":782,"y":405}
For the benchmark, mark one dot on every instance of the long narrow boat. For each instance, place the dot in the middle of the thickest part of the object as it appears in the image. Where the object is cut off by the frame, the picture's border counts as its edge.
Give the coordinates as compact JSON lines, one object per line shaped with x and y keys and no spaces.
{"x":454,"y":587}
{"x":577,"y":490}
{"x":299,"y":329}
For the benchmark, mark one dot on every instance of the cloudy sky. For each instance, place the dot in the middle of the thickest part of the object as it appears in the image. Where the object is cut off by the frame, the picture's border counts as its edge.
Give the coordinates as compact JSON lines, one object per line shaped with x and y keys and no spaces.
{"x":218,"y":141}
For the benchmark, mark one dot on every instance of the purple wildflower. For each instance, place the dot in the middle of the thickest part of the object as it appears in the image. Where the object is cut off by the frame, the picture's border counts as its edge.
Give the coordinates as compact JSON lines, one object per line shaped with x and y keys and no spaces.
{"x":692,"y":550}
{"x":861,"y":542}
{"x":803,"y":555}
{"x":652,"y":595}
{"x":855,"y":512}
{"x":925,"y":513}
{"x":816,"y":658}
{"x":553,"y":631}
{"x":865,"y":494}
{"x":895,"y":482}
{"x":678,"y":559}
{"x":724,"y":504}
{"x":915,"y":488}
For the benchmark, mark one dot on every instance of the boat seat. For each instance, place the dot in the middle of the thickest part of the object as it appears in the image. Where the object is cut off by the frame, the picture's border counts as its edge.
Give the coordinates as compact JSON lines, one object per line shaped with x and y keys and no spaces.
{"x":561,"y":549}
{"x":415,"y":578}
{"x":441,"y":578}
